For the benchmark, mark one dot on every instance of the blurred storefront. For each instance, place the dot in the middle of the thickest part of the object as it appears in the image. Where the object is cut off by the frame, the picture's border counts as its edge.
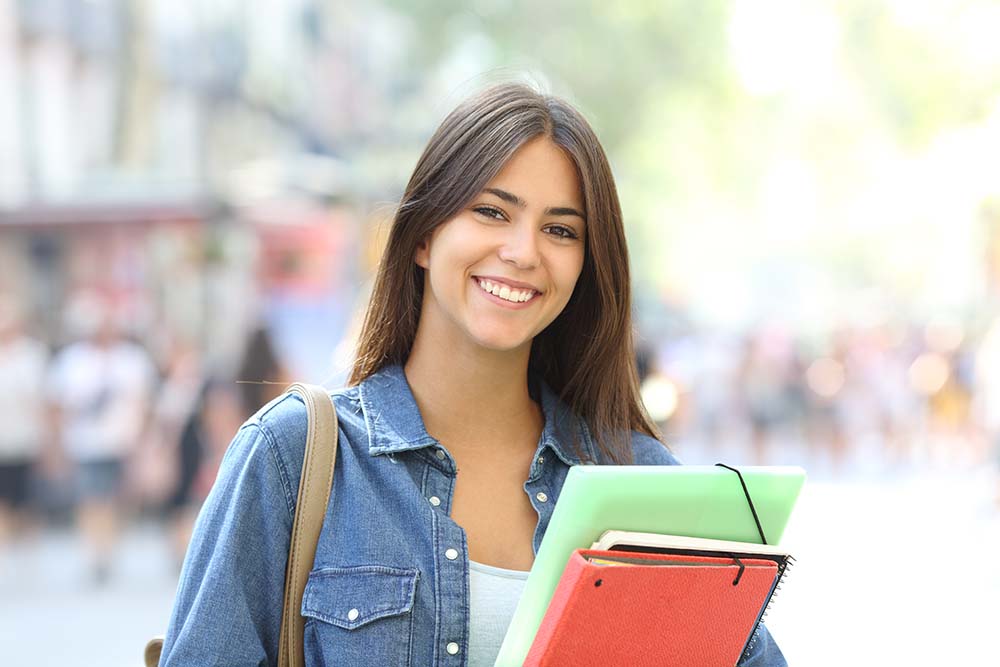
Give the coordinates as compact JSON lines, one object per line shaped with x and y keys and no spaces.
{"x":154,"y":260}
{"x":191,"y":273}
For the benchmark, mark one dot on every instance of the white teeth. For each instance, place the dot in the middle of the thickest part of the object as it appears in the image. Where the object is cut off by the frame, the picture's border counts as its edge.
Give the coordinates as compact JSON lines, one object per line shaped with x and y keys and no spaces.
{"x":505,"y":292}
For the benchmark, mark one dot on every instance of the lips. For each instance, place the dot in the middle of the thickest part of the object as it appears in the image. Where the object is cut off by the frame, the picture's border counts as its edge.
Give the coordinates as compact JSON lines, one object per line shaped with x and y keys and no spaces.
{"x":513,"y":284}
{"x":503,"y":295}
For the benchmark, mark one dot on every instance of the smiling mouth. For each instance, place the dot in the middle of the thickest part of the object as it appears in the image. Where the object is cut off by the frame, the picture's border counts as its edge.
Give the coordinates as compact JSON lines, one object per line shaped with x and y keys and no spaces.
{"x":506,"y":292}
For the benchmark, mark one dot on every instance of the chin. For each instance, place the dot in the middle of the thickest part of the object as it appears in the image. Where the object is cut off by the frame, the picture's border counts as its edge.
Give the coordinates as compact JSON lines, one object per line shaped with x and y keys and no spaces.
{"x":503,"y":346}
{"x":501,"y":342}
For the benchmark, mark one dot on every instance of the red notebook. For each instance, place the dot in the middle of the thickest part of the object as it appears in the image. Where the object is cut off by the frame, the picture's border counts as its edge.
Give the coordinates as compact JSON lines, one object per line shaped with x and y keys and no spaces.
{"x":636,"y":609}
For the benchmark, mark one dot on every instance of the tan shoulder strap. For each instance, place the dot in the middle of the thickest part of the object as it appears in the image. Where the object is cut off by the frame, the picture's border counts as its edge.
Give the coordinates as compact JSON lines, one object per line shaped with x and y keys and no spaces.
{"x":310,"y":509}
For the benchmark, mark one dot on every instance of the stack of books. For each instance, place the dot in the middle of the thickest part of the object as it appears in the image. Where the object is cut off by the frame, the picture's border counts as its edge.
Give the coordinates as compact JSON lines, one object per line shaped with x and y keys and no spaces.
{"x":648,"y":599}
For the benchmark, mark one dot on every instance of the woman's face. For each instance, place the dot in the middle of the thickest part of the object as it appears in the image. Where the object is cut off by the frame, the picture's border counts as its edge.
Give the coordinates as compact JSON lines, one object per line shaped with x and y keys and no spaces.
{"x":505,"y":266}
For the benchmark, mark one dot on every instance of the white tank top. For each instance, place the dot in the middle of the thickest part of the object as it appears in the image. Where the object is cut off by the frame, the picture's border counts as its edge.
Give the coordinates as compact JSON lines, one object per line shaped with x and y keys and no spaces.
{"x":493,"y":596}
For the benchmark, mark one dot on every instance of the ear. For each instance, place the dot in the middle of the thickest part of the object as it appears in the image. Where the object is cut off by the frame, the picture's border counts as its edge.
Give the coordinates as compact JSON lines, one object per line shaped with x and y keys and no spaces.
{"x":422,"y":256}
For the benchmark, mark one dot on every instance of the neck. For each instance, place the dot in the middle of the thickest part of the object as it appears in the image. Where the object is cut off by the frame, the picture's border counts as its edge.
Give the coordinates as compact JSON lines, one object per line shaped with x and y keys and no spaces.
{"x":472,"y":398}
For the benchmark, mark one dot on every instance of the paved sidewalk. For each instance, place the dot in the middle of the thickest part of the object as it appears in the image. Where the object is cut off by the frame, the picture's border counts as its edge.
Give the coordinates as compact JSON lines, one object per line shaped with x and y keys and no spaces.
{"x":52,"y":614}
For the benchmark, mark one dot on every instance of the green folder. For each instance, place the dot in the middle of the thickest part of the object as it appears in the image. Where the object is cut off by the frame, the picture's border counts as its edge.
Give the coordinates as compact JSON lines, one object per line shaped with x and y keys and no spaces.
{"x":694,"y":501}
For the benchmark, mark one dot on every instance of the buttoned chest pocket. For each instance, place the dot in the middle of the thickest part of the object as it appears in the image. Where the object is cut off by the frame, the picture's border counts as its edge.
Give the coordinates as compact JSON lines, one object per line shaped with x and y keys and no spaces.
{"x":359,"y":615}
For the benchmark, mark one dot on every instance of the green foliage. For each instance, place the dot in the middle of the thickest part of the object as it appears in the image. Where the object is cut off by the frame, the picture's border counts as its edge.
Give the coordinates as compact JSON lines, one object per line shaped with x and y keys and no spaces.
{"x":611,"y":58}
{"x":914,"y":77}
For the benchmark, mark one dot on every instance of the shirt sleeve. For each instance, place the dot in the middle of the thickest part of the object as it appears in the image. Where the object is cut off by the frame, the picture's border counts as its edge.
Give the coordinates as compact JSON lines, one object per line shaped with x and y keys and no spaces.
{"x":227,"y":610}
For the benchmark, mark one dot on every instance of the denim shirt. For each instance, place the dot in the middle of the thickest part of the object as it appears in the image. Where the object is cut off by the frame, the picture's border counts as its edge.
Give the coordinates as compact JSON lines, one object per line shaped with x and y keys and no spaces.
{"x":390,"y":581}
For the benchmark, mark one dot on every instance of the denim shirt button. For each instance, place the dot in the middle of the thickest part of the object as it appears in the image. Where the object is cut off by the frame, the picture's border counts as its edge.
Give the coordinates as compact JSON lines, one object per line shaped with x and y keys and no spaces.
{"x":542,"y":498}
{"x":435,"y":501}
{"x":352,"y":615}
{"x":452,"y":648}
{"x":440,"y":454}
{"x":451,"y":554}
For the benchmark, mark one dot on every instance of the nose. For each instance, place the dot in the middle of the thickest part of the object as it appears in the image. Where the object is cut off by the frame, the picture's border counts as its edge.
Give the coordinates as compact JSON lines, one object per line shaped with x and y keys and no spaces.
{"x":520,"y":247}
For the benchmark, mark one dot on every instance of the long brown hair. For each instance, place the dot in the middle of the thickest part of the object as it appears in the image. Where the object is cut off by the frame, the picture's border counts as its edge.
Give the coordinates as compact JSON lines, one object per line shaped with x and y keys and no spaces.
{"x":586,"y":354}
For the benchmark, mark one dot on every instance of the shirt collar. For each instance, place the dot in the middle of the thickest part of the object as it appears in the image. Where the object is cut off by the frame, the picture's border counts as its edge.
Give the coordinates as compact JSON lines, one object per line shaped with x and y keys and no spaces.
{"x":394,"y":423}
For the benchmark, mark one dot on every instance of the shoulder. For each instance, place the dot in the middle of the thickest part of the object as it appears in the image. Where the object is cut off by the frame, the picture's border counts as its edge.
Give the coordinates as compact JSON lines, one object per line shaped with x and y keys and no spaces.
{"x":647,"y":450}
{"x":285,"y":416}
{"x":38,"y":348}
{"x":284,"y":423}
{"x":25,"y":351}
{"x":70,"y":352}
{"x":30,"y":347}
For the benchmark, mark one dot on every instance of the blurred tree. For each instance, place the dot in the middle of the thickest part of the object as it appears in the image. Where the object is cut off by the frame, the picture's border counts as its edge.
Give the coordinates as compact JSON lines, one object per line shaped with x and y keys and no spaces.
{"x":614,"y":58}
{"x":920,"y":70}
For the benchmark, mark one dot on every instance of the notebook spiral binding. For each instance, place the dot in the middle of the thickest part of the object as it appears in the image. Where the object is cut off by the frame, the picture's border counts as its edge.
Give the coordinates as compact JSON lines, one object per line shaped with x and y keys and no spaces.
{"x":777,"y":587}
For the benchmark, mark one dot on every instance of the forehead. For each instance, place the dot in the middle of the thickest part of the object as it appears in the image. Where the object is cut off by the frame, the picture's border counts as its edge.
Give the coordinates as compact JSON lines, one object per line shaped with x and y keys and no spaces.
{"x":542,"y":174}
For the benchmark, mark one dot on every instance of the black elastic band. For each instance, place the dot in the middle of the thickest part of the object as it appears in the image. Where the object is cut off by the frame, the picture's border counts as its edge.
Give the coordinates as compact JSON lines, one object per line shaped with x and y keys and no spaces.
{"x":760,"y":530}
{"x":739,"y":575}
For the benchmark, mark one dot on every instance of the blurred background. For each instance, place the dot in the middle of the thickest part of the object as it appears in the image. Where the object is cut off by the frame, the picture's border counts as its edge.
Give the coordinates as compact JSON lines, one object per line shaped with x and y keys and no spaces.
{"x":193,"y":198}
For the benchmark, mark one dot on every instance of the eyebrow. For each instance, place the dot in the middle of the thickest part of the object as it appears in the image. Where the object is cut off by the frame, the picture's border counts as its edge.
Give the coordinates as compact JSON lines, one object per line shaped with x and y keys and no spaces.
{"x":520,"y":203}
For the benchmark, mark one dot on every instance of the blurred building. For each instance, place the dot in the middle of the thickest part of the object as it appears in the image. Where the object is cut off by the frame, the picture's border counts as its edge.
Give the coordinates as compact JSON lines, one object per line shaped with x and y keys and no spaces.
{"x":144,"y":152}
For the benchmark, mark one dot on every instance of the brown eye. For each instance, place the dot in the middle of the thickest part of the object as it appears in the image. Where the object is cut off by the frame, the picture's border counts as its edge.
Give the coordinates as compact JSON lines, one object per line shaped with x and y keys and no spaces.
{"x":490,"y":212}
{"x":563,"y":232}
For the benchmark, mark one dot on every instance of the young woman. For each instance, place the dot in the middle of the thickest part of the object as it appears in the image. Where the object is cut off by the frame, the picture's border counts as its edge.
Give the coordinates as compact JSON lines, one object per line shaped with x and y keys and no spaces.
{"x":496,"y":353}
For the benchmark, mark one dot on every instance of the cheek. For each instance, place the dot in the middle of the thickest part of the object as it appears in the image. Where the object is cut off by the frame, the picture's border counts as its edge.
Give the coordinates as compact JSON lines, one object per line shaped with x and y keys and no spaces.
{"x":567,"y":276}
{"x":456,"y":245}
{"x":573,"y":271}
{"x":447,"y":278}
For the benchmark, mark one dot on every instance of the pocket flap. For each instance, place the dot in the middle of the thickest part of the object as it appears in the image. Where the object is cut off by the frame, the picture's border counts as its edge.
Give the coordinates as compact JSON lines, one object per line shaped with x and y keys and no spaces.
{"x":350,"y":597}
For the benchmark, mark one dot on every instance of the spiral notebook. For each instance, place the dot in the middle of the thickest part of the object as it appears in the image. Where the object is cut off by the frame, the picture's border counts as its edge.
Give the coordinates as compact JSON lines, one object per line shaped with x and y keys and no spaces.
{"x":621,"y":543}
{"x":651,"y":609}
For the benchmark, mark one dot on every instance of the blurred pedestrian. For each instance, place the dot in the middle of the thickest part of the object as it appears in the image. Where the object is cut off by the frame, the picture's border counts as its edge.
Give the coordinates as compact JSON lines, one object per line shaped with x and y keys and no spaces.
{"x":172,"y":448}
{"x":764,"y":378}
{"x":23,"y":362}
{"x":262,"y":375}
{"x":215,"y":414}
{"x":100,"y":387}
